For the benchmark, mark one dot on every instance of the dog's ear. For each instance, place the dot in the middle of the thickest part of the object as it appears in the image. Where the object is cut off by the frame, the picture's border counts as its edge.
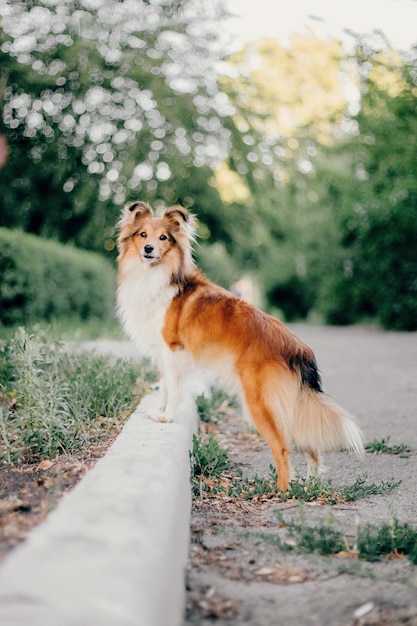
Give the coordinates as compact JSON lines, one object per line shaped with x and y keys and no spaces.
{"x":177,"y":215}
{"x":135,"y":211}
{"x":181,"y":221}
{"x":129,"y":219}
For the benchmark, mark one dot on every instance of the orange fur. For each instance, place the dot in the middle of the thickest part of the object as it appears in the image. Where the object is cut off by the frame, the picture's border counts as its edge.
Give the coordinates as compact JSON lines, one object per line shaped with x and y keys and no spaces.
{"x":180,"y":319}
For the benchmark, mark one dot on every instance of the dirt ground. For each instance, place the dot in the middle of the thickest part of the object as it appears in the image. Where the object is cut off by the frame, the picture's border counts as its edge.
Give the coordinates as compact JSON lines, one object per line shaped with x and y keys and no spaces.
{"x":29,"y":492}
{"x":236,"y":575}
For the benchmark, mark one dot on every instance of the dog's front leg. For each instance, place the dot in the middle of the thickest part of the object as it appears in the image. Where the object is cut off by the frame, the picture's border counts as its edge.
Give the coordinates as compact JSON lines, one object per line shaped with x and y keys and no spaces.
{"x":163,"y":394}
{"x":169,"y":386}
{"x":159,"y":413}
{"x":172,"y":377}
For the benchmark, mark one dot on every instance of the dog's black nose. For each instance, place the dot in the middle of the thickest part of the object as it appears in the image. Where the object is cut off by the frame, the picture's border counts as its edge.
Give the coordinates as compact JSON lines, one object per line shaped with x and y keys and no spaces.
{"x":148,"y":249}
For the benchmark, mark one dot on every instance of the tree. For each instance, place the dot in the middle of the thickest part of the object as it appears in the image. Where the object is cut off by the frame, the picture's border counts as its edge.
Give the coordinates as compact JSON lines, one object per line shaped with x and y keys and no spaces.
{"x":288,"y":102}
{"x":375,"y":199}
{"x":333,"y":179}
{"x":104,"y":102}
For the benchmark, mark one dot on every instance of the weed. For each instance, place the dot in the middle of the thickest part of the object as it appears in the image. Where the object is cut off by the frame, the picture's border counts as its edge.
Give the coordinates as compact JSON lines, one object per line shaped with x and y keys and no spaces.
{"x":359,"y":489}
{"x":208,"y":458}
{"x":325,"y":537}
{"x":251,"y":488}
{"x":312,"y":488}
{"x":394,"y":538}
{"x":372,"y":542}
{"x":61,"y":400}
{"x":381,"y":446}
{"x":5,"y":435}
{"x":304,"y":489}
{"x":208,"y":462}
{"x":315,"y":488}
{"x":102,"y":388}
{"x":6,"y":368}
{"x":40,"y":421}
{"x":212,"y":409}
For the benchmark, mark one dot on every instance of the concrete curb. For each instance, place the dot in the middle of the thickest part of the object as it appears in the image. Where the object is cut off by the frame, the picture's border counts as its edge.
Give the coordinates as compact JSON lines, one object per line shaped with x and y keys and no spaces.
{"x":114,"y":551}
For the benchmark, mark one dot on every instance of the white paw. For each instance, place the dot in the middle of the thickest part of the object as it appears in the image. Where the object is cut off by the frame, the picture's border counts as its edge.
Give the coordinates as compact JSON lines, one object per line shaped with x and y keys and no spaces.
{"x":158,"y":415}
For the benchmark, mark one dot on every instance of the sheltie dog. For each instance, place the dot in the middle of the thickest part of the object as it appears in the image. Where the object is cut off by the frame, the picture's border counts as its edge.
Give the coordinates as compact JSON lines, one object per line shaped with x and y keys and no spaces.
{"x":182,"y":321}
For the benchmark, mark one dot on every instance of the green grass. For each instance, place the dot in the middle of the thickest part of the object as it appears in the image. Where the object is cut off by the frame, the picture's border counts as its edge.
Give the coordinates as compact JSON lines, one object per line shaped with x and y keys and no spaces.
{"x":69,"y":329}
{"x":381,"y":446}
{"x":54,"y":400}
{"x":326,"y":537}
{"x":307,"y":489}
{"x":375,"y":543}
{"x":210,"y":461}
{"x":211,"y":409}
{"x":360,"y":489}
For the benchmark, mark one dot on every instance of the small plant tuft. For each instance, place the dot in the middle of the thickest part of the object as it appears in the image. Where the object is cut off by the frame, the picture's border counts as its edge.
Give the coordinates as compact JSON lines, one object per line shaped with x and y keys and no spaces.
{"x":359,"y":489}
{"x":395,"y":538}
{"x":208,"y":462}
{"x":307,"y":489}
{"x":381,"y":446}
{"x":211,"y":409}
{"x":324,"y":537}
{"x":240,"y":486}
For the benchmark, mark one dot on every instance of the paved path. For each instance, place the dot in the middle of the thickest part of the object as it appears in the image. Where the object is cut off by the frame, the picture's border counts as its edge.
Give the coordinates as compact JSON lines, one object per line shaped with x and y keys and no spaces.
{"x":374,"y":375}
{"x":113,"y":552}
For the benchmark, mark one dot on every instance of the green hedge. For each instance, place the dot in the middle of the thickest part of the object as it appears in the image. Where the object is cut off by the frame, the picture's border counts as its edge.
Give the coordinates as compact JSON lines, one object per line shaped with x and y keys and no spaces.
{"x":45,"y":280}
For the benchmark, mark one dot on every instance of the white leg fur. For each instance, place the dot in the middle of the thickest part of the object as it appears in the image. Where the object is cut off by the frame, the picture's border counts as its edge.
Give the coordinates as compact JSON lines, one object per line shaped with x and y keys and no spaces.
{"x":177,"y":368}
{"x":313,"y":469}
{"x":158,"y":414}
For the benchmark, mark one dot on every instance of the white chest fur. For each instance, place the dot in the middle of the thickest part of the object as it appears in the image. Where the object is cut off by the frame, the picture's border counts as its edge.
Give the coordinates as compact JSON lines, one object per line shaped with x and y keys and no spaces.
{"x":143,"y":297}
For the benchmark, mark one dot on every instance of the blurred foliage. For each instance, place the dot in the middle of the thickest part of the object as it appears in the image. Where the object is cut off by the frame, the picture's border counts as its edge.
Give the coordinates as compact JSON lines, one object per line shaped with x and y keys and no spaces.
{"x":45,"y":280}
{"x":290,"y":88}
{"x":287,"y":103}
{"x":299,"y":161}
{"x":104,"y":102}
{"x":372,"y":189}
{"x":334,"y":186}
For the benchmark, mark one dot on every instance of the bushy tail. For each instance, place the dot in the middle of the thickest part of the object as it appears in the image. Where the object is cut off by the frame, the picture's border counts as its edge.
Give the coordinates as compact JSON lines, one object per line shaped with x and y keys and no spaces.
{"x":320,"y":425}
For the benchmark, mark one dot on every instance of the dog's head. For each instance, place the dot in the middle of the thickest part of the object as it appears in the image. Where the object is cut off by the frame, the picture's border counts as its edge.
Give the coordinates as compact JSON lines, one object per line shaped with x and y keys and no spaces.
{"x":156,"y":239}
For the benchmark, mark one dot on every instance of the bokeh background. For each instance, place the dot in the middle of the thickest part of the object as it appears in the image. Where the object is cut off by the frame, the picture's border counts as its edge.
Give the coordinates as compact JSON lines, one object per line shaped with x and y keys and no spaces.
{"x":299,"y":157}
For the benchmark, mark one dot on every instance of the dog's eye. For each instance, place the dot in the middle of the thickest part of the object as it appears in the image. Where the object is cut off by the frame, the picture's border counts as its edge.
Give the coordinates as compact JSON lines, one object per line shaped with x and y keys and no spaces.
{"x":142,"y":234}
{"x":163,"y":237}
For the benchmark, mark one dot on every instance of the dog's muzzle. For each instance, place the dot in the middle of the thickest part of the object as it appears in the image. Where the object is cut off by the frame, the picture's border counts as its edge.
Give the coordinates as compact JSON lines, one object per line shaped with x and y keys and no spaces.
{"x":149,"y":253}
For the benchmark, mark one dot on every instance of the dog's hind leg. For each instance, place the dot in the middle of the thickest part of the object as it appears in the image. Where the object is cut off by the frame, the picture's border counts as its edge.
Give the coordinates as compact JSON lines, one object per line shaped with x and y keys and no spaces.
{"x":266,"y":423}
{"x":314,"y":467}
